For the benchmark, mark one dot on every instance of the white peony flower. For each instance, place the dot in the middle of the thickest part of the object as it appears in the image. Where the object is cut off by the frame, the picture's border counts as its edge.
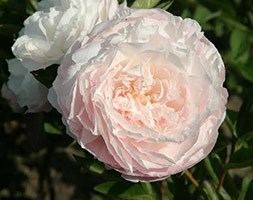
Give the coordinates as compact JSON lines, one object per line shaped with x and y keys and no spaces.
{"x":44,"y":40}
{"x":23,"y":89}
{"x":50,"y":31}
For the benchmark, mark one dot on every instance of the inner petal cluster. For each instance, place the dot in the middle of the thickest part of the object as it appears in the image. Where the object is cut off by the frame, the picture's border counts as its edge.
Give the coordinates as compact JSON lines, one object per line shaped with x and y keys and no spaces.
{"x":150,"y":96}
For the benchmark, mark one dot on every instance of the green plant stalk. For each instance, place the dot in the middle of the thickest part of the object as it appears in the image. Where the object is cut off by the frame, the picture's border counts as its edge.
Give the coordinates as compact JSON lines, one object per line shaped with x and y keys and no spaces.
{"x":195,"y":183}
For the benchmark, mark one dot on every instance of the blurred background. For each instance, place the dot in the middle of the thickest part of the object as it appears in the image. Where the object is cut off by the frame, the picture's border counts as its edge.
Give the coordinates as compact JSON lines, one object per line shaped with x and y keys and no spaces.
{"x":39,"y":161}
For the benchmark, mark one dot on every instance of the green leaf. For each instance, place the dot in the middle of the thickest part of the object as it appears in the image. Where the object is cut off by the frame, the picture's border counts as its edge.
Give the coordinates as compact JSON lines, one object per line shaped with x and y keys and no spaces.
{"x":90,"y":164}
{"x":219,"y":29}
{"x":186,"y":13}
{"x":235,"y":24}
{"x":3,"y":2}
{"x":245,"y":186}
{"x":233,"y":83}
{"x":247,"y":72}
{"x":147,"y":187}
{"x":46,"y":76}
{"x":242,"y":156}
{"x":82,"y":162}
{"x":32,"y":6}
{"x":245,"y":116}
{"x":210,"y":191}
{"x":145,"y":4}
{"x":248,"y":163}
{"x":49,"y":128}
{"x":202,"y":15}
{"x":231,"y":119}
{"x":214,"y":173}
{"x":225,"y":6}
{"x":239,"y":43}
{"x":125,"y":190}
{"x":165,"y":5}
{"x":245,"y":141}
{"x":105,"y":188}
{"x":213,"y":15}
{"x":97,"y":167}
{"x":249,"y":193}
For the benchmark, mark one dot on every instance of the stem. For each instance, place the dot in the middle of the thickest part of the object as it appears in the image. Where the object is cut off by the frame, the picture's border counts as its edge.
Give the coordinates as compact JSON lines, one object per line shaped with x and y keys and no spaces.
{"x":195,"y":183}
{"x":221,"y":181}
{"x":163,"y":189}
{"x":192,"y":179}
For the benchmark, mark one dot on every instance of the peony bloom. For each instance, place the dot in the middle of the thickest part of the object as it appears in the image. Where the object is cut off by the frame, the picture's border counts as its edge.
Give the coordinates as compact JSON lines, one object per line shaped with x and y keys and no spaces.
{"x":50,"y":31}
{"x":24,"y":90}
{"x":46,"y":37}
{"x":143,"y":93}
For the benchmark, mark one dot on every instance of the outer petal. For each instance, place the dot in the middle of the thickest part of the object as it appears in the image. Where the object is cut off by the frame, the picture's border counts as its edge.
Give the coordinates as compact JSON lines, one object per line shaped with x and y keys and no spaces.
{"x":27,"y":91}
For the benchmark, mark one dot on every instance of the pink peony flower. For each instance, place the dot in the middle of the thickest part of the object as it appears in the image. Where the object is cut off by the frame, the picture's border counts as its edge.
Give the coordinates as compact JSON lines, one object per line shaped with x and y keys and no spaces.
{"x":143,"y":93}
